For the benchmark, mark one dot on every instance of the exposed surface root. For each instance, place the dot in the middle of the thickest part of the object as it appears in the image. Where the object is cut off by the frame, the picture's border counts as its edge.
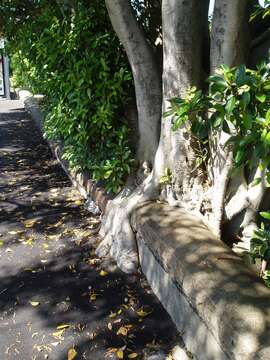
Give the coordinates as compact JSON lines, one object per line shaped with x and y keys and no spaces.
{"x":119,"y":239}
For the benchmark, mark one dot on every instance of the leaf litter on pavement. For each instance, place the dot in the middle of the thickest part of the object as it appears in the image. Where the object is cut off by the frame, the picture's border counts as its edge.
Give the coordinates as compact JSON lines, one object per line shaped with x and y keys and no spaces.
{"x":87,"y":305}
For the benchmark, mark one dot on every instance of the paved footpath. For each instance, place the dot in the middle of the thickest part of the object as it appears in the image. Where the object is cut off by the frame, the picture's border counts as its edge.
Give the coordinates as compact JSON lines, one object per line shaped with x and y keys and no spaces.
{"x":57,"y":301}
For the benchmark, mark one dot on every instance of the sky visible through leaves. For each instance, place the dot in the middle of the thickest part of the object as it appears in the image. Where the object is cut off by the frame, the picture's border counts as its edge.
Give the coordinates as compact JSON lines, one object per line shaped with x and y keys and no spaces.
{"x":212,"y":2}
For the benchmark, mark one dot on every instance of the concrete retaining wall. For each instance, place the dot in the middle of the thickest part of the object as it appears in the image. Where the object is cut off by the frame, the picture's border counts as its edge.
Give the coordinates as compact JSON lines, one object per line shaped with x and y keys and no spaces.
{"x":218,"y":304}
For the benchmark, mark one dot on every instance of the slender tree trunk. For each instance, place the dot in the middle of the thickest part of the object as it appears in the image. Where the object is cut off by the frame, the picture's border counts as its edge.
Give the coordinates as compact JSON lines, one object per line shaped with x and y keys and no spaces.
{"x":182,"y":24}
{"x":182,"y":41}
{"x":230,"y":33}
{"x":229,"y":45}
{"x":146,"y":75}
{"x":119,"y":238}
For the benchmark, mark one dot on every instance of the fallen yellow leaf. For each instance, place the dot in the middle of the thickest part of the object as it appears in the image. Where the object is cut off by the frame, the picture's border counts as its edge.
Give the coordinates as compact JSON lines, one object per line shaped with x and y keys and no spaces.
{"x":34,"y":303}
{"x":120,"y":354}
{"x":93,"y":297}
{"x":133,"y":356}
{"x":122,"y":331}
{"x":63,"y":326}
{"x":58,"y":334}
{"x":112,"y":315}
{"x":13,"y":232}
{"x":143,"y":313}
{"x":28,"y":242}
{"x":29,"y":223}
{"x":110,"y":326}
{"x":72,"y":353}
{"x":52,"y":237}
{"x":103,"y":273}
{"x":92,"y":261}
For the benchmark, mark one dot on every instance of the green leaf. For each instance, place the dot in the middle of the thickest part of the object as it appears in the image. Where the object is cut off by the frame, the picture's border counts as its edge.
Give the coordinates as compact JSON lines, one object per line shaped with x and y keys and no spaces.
{"x":199,"y":129}
{"x":218,"y":121}
{"x":256,"y":181}
{"x":183,"y":109}
{"x":107,"y":174}
{"x":230,"y":106}
{"x":177,"y":101}
{"x":247,"y":120}
{"x":239,"y":156}
{"x":261,"y":97}
{"x":245,"y":100}
{"x":267,"y":117}
{"x":225,"y":127}
{"x":267,"y":139}
{"x":240,"y":75}
{"x":218,"y":80}
{"x":167,"y":113}
{"x":265,"y":215}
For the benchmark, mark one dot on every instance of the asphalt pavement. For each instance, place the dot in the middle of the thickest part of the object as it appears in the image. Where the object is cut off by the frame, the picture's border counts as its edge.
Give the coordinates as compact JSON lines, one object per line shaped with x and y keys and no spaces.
{"x":57,"y":300}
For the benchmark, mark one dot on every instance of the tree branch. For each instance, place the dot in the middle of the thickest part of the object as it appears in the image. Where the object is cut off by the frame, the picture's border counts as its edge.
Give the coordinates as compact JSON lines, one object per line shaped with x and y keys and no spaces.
{"x":147,"y":77}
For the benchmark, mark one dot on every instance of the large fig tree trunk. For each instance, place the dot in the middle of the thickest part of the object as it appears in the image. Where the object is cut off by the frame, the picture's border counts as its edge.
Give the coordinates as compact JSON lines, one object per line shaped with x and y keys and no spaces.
{"x":232,"y":197}
{"x":182,"y":24}
{"x":119,"y":238}
{"x":187,"y":58}
{"x":182,"y":58}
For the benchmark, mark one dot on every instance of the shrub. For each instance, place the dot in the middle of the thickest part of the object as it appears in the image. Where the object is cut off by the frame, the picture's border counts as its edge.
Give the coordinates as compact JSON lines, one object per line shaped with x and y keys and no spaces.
{"x":73,"y":57}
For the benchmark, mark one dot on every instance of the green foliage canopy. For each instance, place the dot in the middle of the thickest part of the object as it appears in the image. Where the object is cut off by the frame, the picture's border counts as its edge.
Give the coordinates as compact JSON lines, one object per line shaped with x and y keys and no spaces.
{"x":238,"y":103}
{"x":71,"y":55}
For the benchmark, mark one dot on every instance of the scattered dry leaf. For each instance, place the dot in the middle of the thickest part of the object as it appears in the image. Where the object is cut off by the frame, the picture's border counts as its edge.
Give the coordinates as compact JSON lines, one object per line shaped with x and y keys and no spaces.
{"x":112,"y":315}
{"x":133,"y":356}
{"x":58,"y":334}
{"x":92,"y":261}
{"x":15,"y":232}
{"x":122,"y":331}
{"x":28,"y":242}
{"x":63,"y":326}
{"x":143,"y":313}
{"x":93,"y":297}
{"x":72,"y":353}
{"x":34,"y":303}
{"x":103,"y":273}
{"x":120,"y":354}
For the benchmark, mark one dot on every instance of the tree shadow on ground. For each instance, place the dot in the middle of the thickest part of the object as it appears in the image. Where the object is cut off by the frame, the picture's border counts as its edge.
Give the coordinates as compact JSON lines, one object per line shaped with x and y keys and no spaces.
{"x":49,"y":275}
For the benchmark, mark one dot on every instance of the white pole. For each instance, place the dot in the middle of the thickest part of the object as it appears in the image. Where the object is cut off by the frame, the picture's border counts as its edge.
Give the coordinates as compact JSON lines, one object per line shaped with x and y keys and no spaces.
{"x":6,"y":78}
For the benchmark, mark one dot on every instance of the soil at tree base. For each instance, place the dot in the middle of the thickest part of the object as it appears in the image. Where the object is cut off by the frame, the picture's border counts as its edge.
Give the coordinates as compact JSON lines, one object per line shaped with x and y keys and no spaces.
{"x":57,"y":301}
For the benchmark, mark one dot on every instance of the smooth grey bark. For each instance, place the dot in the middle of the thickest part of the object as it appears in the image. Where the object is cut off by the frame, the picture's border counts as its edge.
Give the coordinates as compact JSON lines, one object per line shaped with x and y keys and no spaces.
{"x":184,"y":31}
{"x":229,"y":45}
{"x":229,"y":34}
{"x":119,"y":238}
{"x":182,"y":24}
{"x":182,"y":44}
{"x":145,"y":72}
